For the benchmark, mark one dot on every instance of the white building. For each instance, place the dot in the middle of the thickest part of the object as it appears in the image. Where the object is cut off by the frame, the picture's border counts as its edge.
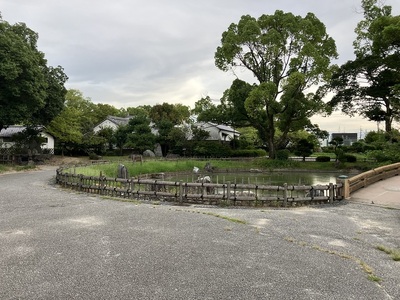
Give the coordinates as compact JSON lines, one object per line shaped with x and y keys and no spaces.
{"x":112,"y":122}
{"x":217,"y":132}
{"x":7,"y":134}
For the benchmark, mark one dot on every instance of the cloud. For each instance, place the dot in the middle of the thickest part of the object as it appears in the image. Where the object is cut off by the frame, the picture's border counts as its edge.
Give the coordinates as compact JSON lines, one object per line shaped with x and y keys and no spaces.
{"x":130,"y":53}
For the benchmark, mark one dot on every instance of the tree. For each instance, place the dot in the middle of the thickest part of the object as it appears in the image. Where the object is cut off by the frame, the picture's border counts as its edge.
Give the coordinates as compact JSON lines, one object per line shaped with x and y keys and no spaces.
{"x":370,"y":84}
{"x":139,"y":135}
{"x":174,"y":113}
{"x":287,"y":55}
{"x":304,"y":148}
{"x":206,"y":111}
{"x":74,"y":122}
{"x":31,"y":92}
{"x":337,"y":143}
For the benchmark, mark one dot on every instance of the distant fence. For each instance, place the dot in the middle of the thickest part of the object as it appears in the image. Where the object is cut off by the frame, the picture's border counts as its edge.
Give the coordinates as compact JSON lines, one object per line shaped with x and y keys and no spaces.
{"x":367,"y":178}
{"x":13,"y":156}
{"x":227,"y":193}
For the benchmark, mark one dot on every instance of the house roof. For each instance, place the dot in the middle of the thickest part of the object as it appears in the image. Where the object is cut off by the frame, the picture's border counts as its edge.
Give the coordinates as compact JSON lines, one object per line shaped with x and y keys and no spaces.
{"x":119,"y":120}
{"x":220,"y":127}
{"x":14,"y":129}
{"x":11,"y":130}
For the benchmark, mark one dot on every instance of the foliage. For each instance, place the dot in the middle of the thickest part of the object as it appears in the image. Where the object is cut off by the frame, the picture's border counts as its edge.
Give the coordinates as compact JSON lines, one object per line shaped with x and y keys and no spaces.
{"x":199,"y":134}
{"x":350,"y":158}
{"x":369,"y":85}
{"x":391,"y":154}
{"x":249,"y":153}
{"x":139,"y":136}
{"x":173,"y":113}
{"x":303,"y":148}
{"x":287,"y":54}
{"x":337,"y":143}
{"x":211,"y":149}
{"x":282,"y":154}
{"x":28,"y":140}
{"x":323,"y":158}
{"x":31,"y":92}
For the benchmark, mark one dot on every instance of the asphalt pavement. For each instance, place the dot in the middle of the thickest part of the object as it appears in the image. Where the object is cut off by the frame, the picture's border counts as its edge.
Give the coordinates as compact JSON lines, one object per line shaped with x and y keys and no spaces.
{"x":59,"y":244}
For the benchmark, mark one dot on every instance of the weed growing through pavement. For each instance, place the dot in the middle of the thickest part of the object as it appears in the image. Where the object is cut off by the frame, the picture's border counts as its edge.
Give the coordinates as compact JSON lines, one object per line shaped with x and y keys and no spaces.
{"x":394,"y":253}
{"x":365,"y":267}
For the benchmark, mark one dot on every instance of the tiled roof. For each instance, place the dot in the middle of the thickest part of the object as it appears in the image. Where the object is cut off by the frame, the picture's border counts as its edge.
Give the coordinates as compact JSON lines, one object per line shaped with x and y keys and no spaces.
{"x":118,"y":120}
{"x":11,"y":130}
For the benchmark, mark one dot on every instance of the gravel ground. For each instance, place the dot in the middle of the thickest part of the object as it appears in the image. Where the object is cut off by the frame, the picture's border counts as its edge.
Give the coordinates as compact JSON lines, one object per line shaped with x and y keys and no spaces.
{"x":58,"y":244}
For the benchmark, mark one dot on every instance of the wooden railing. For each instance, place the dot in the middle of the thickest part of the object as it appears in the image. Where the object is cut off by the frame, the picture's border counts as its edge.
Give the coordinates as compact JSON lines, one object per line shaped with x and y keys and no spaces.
{"x":227,"y":193}
{"x":367,"y":178}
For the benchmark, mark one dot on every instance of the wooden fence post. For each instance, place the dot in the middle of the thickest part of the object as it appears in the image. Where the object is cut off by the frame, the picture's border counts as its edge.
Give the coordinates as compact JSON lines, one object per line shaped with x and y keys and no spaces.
{"x":80,"y":182}
{"x":285,"y":194}
{"x":181,"y":192}
{"x":228,"y":191}
{"x":331,"y":193}
{"x":346,"y":189}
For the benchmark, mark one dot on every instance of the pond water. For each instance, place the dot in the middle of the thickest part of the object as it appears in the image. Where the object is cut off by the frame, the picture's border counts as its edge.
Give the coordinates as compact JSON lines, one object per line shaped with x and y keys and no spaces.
{"x":265,"y":178}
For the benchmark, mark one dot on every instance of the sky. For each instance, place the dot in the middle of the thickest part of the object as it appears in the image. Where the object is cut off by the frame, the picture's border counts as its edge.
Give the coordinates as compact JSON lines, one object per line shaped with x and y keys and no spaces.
{"x":128,"y":53}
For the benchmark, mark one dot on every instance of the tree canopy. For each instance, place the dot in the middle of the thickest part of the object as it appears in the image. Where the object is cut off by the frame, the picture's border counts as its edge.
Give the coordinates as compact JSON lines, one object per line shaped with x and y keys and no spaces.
{"x":287,"y":54}
{"x":369,"y":85}
{"x":31,"y":92}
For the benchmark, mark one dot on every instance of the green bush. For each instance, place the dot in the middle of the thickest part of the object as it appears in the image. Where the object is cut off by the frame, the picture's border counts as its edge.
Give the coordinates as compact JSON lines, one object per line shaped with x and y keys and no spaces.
{"x":249,"y":153}
{"x":323,"y":159}
{"x":94,"y":156}
{"x":350,"y":158}
{"x":212,"y":149}
{"x":282,"y":154}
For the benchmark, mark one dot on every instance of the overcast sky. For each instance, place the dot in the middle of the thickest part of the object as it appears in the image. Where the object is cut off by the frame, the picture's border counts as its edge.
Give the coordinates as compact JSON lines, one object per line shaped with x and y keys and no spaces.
{"x":130,"y":53}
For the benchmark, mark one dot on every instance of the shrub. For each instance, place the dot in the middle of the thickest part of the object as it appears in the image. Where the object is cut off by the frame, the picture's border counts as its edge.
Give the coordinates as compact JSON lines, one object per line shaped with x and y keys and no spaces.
{"x":249,"y":153}
{"x":323,"y":159}
{"x":350,"y":158}
{"x":211,"y":149}
{"x":94,"y":156}
{"x":282,"y":154}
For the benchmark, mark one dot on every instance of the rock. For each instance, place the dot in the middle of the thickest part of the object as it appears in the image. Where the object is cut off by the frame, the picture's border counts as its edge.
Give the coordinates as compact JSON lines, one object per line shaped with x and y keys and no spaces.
{"x":158,"y":150}
{"x":149,"y":153}
{"x":122,"y":172}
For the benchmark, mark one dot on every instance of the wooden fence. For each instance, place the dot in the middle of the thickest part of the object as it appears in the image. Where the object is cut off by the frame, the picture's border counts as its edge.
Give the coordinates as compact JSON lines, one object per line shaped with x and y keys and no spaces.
{"x":367,"y":178}
{"x":229,"y":194}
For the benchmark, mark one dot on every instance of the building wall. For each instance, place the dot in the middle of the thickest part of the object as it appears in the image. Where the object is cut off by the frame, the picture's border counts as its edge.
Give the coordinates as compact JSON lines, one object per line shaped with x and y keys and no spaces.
{"x":50,"y":141}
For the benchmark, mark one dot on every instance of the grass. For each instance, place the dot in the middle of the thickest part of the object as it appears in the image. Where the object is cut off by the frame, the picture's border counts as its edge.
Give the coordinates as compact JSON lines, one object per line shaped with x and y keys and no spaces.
{"x":225,"y":218}
{"x":393,"y":253}
{"x":9,"y":168}
{"x":364,"y":266}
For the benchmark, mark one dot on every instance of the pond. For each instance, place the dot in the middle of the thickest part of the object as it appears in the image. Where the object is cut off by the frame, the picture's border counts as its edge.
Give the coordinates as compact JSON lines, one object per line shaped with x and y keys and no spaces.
{"x":265,"y":178}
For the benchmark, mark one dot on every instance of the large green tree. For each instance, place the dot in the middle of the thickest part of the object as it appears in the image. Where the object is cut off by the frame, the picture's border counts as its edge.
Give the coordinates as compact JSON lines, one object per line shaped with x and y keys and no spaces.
{"x":369,"y":85}
{"x":139,"y":136}
{"x":174,"y":113}
{"x":287,"y":55}
{"x":31,"y":92}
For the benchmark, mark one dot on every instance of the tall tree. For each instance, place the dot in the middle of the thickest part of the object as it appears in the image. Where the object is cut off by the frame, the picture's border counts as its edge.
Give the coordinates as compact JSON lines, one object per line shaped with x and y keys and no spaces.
{"x":30,"y":91}
{"x":174,"y":113}
{"x":369,"y":85}
{"x":287,"y":54}
{"x":139,"y":135}
{"x":74,"y":122}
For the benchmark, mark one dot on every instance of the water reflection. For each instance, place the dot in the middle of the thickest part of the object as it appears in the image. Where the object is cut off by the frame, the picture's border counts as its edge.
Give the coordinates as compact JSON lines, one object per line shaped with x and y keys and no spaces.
{"x":269,"y":178}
